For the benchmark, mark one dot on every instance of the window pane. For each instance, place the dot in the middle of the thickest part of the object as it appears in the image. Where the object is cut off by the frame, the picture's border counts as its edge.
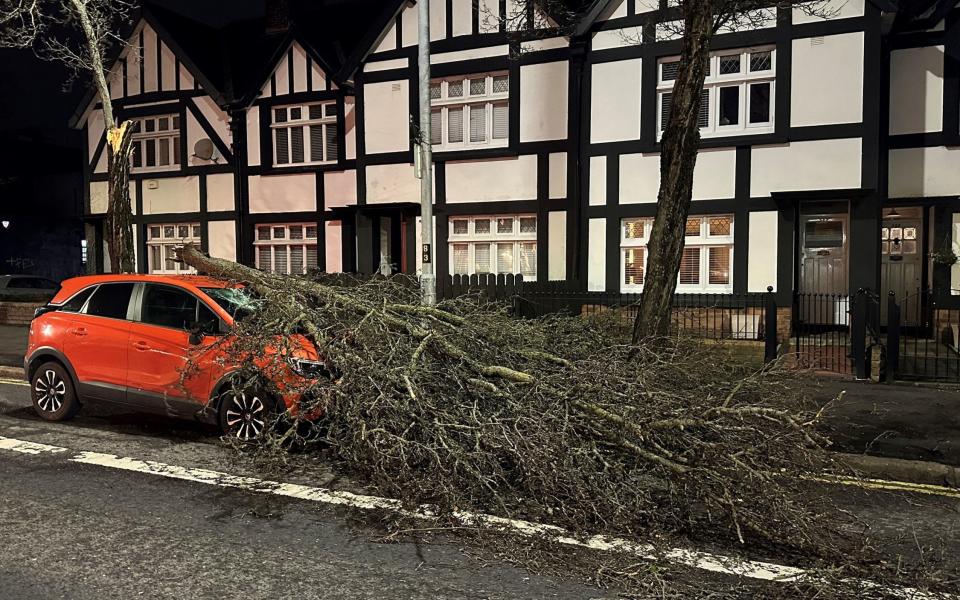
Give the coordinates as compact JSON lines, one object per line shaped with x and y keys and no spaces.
{"x":460,"y":226}
{"x":528,"y":224}
{"x":164,"y":151}
{"x":760,"y":103}
{"x":279,"y":115}
{"x":501,"y":84}
{"x":175,"y":142}
{"x":110,"y":300}
{"x":455,"y":89}
{"x":761,"y":61}
{"x":455,"y":124}
{"x":504,"y":258}
{"x":263,"y":258}
{"x":720,"y":225}
{"x":154,"y":232}
{"x":704,"y":117}
{"x":151,"y":125}
{"x":330,"y":109}
{"x":296,"y":113}
{"x":690,"y":266}
{"x":633,"y":266}
{"x":478,"y":87}
{"x":693,"y":227}
{"x":729,"y":64}
{"x":481,"y":226}
{"x":164,"y":123}
{"x":183,"y":231}
{"x":296,"y":232}
{"x":296,"y":260}
{"x":633,"y":229}
{"x":169,"y":231}
{"x":169,"y":260}
{"x":333,"y":146}
{"x":481,"y":258}
{"x":279,"y":233}
{"x":505,"y":225}
{"x":263,"y":233}
{"x":296,"y":145}
{"x":151,"y":152}
{"x":435,"y":90}
{"x":729,"y":105}
{"x":668,"y":70}
{"x":311,"y":232}
{"x":137,"y":155}
{"x":168,"y":307}
{"x":280,"y":259}
{"x":312,"y":257}
{"x":501,"y":118}
{"x":283,"y":151}
{"x":436,"y":126}
{"x":76,"y":303}
{"x":196,"y":231}
{"x":316,"y":143}
{"x":176,"y":123}
{"x":316,"y":111}
{"x":823,"y":234}
{"x":528,"y":260}
{"x":461,"y":257}
{"x":154,"y":259}
{"x":720,"y":265}
{"x":478,"y":123}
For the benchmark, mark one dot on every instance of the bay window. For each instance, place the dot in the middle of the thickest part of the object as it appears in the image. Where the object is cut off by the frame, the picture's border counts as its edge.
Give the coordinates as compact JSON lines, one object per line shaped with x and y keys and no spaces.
{"x":705,"y":266}
{"x":470,"y":111}
{"x":155,"y":143}
{"x":737,"y":96}
{"x":305,"y":134}
{"x":162,"y":241}
{"x":504,"y":244}
{"x":290,"y":249}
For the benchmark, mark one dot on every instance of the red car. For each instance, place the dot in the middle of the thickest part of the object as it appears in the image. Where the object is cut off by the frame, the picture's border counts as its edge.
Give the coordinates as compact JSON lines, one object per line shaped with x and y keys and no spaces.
{"x":156,"y":343}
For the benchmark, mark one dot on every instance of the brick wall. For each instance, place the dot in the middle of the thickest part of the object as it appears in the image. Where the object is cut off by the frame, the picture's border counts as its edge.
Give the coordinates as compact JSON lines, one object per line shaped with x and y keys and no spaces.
{"x":17,"y":313}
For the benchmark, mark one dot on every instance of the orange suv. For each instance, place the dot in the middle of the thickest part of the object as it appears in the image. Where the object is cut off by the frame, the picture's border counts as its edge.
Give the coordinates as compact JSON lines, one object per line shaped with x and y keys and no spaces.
{"x":128,"y":339}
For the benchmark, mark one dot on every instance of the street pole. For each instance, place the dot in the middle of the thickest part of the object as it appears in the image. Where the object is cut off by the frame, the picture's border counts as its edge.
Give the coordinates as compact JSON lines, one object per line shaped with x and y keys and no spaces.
{"x":428,"y":279}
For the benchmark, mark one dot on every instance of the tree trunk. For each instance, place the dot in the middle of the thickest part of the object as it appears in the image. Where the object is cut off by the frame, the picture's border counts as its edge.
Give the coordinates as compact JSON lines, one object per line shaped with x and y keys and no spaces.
{"x":119,"y":230}
{"x":678,"y":156}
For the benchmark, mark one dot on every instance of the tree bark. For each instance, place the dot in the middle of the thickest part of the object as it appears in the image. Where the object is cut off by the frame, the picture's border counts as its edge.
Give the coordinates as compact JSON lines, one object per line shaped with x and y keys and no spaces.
{"x":681,"y":139}
{"x":119,"y":212}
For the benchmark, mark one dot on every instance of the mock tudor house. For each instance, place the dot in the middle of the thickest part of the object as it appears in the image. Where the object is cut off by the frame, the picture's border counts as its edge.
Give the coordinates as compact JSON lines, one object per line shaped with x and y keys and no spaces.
{"x":830,"y":155}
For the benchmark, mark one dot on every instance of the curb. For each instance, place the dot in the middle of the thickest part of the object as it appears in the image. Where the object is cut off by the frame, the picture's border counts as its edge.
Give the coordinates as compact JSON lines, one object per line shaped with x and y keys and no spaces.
{"x":12,"y":372}
{"x":898,"y":469}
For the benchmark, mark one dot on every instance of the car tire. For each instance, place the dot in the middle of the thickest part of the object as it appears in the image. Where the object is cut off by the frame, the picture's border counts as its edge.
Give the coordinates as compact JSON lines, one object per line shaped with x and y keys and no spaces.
{"x":246,"y":416}
{"x":54,"y":397}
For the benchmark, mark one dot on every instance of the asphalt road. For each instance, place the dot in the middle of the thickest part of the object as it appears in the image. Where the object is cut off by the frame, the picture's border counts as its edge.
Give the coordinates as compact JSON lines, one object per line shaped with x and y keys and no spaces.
{"x":80,"y":531}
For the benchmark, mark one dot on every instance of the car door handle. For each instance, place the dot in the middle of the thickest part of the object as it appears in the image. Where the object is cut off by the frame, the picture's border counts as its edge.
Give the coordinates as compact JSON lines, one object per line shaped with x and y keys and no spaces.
{"x":141,"y":345}
{"x":79,"y":331}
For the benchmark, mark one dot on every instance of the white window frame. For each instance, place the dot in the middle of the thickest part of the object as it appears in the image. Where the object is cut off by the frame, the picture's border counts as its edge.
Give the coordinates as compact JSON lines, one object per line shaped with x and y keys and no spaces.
{"x":472,"y":239}
{"x":714,"y":81}
{"x":704,"y":241}
{"x":305,"y":123}
{"x":141,"y":137}
{"x":165,"y":243}
{"x":277,"y":243}
{"x":488,"y":99}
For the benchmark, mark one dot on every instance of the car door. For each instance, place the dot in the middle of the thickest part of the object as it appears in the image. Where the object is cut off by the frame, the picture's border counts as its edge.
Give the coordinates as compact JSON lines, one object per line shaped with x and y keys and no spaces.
{"x":167,"y":373}
{"x":97,"y":342}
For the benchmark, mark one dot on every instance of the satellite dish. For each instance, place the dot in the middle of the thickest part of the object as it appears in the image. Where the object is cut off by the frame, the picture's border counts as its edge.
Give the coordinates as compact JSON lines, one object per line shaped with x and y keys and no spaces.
{"x":204,"y":150}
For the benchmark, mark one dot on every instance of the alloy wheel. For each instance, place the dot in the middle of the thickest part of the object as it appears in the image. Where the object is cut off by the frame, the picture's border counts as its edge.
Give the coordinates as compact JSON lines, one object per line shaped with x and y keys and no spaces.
{"x":50,"y":389}
{"x":246,"y":417}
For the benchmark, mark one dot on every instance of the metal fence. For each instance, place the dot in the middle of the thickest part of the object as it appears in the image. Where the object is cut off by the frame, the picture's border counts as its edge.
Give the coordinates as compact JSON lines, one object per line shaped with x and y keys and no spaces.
{"x":923,"y":338}
{"x":821,"y":328}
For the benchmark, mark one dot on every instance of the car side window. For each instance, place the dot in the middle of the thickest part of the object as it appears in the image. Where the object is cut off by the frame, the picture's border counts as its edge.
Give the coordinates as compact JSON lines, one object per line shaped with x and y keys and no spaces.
{"x":207,"y":320}
{"x":168,"y":307}
{"x":76,"y":303}
{"x":110,"y":300}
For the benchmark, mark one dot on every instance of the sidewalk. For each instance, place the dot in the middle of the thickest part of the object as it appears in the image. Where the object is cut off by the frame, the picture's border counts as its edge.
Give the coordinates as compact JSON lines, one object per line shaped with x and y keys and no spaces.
{"x":13,"y":345}
{"x":899,"y":421}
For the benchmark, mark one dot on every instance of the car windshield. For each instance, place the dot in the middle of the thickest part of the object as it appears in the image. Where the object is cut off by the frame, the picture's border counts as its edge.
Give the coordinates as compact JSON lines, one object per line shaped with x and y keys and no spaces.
{"x":238,"y":302}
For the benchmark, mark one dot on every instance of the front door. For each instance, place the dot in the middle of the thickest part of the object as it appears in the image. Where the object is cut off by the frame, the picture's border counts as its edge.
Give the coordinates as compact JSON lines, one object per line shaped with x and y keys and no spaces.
{"x":901,"y":258}
{"x":823,"y":269}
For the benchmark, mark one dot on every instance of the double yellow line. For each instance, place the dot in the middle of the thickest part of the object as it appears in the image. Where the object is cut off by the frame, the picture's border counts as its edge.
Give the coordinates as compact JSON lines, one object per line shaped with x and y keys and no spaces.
{"x":891,"y":486}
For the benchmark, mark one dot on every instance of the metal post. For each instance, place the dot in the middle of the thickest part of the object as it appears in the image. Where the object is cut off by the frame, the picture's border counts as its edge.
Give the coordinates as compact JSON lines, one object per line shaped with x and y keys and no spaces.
{"x":892,"y":362}
{"x":770,"y":326}
{"x":428,"y":279}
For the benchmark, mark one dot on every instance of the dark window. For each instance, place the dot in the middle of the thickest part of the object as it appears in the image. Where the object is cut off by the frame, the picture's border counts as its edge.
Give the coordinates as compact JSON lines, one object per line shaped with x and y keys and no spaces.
{"x":110,"y":300}
{"x":168,"y":307}
{"x":729,"y":105}
{"x":823,"y":234}
{"x":207,"y":320}
{"x":76,"y":303}
{"x":760,"y":103}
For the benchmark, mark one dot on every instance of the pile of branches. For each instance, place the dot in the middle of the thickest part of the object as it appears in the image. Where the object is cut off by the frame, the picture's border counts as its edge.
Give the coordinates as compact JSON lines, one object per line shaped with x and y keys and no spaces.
{"x":557,"y":419}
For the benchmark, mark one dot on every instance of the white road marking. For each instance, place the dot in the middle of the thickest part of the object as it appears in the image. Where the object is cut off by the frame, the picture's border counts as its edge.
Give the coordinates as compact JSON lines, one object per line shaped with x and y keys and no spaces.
{"x":716,"y":563}
{"x":27,"y":447}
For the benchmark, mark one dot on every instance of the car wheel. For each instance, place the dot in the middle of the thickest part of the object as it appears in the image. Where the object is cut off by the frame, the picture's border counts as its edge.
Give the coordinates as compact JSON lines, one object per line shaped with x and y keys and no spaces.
{"x":52,"y":392}
{"x":245,"y":416}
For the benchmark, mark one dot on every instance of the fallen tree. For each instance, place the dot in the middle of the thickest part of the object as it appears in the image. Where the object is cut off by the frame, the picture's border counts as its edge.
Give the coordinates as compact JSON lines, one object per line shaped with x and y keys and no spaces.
{"x":557,"y":419}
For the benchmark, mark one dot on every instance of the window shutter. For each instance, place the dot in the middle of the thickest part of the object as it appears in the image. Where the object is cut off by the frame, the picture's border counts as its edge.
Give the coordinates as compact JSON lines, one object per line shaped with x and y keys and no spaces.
{"x":665,"y":100}
{"x":296,"y":260}
{"x":501,"y":117}
{"x":690,"y":266}
{"x":333,"y":147}
{"x":312,"y":257}
{"x":455,"y":125}
{"x":263,"y":258}
{"x":478,"y":123}
{"x":280,"y":259}
{"x":528,"y":260}
{"x":704,"y":116}
{"x":316,"y":142}
{"x":461,"y":257}
{"x":436,"y":125}
{"x":283,"y":150}
{"x":505,"y":258}
{"x":720,"y":265}
{"x":296,"y":145}
{"x":481,"y":258}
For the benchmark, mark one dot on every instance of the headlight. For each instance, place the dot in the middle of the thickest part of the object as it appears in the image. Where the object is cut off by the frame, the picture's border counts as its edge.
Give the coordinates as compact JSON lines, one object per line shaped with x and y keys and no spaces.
{"x":308,"y":368}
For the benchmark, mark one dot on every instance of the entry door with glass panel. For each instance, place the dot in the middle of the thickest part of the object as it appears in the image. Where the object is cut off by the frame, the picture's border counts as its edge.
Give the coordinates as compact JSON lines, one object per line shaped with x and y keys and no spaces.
{"x":901,"y":258}
{"x":823,"y":268}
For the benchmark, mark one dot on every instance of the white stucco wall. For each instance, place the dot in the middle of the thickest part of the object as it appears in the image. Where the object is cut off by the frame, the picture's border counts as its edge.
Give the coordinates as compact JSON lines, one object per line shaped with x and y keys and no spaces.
{"x":596,"y":255}
{"x":639,"y":178}
{"x":299,"y":69}
{"x":216,"y":117}
{"x":334,"y":235}
{"x":762,"y":247}
{"x":350,"y":127}
{"x":149,"y":60}
{"x":827,"y":80}
{"x":283,"y":193}
{"x":253,"y":135}
{"x":222,"y":240}
{"x":598,"y":181}
{"x":916,"y":90}
{"x":543,"y":105}
{"x":955,"y":269}
{"x":220,"y":192}
{"x":713,"y":178}
{"x":557,"y":163}
{"x":832,"y":9}
{"x":557,"y":242}
{"x":339,"y":188}
{"x":386,"y":116}
{"x":617,"y":38}
{"x":493,"y":179}
{"x":168,"y":68}
{"x":615,"y":101}
{"x":462,"y":17}
{"x":798,"y":166}
{"x":171,"y":195}
{"x":915,"y":172}
{"x":393,"y":183}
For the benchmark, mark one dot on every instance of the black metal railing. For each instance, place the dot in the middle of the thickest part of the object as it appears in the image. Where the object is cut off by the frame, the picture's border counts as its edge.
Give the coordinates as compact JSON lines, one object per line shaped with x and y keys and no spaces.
{"x":923,"y":338}
{"x":821,"y":328}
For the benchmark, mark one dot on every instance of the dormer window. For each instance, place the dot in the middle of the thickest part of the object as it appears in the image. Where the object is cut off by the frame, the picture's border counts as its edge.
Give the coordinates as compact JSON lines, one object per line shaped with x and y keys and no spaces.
{"x":156,"y":143}
{"x":305,"y":134}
